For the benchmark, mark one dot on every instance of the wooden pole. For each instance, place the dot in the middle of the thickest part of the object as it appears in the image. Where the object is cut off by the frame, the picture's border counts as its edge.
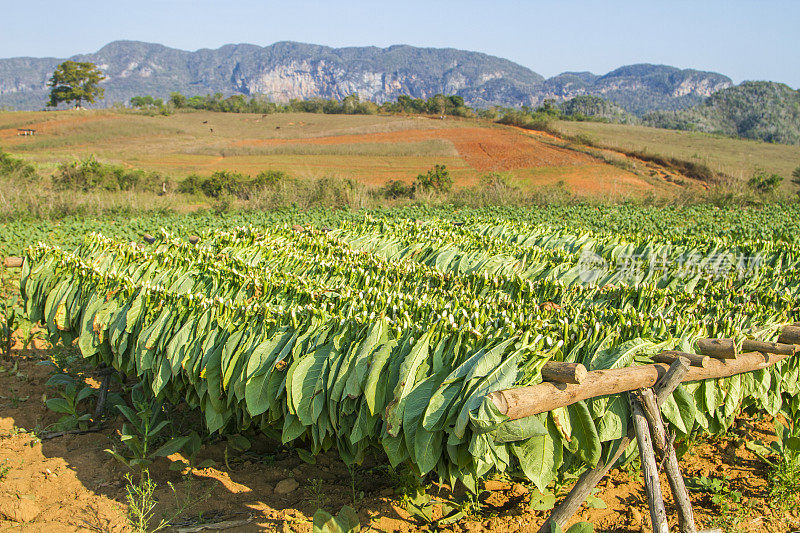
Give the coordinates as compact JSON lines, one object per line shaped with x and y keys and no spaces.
{"x":749,"y":345}
{"x":589,"y":479}
{"x":526,"y":401}
{"x":669,"y":356}
{"x":564,"y":372}
{"x":790,"y":335}
{"x":652,"y":485}
{"x":718,"y":348}
{"x":12,"y":262}
{"x":676,"y":483}
{"x":149,"y":239}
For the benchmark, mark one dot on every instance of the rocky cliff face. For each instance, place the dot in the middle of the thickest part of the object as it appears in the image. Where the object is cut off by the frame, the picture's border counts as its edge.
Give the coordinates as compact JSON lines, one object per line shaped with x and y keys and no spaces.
{"x":639,"y":88}
{"x":287,"y":70}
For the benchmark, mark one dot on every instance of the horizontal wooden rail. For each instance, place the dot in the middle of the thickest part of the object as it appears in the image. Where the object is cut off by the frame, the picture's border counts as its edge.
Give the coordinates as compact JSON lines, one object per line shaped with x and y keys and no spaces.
{"x":527,"y":401}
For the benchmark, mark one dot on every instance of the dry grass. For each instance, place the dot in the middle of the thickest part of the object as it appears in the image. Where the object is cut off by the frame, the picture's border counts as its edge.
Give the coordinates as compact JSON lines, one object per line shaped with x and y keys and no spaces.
{"x":370,"y":149}
{"x":734,"y":157}
{"x":20,"y":201}
{"x":183,"y":143}
{"x":430,"y":148}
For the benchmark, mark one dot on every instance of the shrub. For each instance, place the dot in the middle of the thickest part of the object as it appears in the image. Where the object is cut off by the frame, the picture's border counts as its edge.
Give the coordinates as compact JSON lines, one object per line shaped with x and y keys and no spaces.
{"x":90,"y":174}
{"x":11,"y":167}
{"x":764,"y":182}
{"x":84,"y":175}
{"x":435,"y":180}
{"x":530,"y":121}
{"x":395,"y":189}
{"x":224,"y":182}
{"x":269,"y":178}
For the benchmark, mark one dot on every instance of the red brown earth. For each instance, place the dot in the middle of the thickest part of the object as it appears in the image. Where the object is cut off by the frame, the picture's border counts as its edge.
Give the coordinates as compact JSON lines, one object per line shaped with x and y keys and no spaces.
{"x":70,"y":483}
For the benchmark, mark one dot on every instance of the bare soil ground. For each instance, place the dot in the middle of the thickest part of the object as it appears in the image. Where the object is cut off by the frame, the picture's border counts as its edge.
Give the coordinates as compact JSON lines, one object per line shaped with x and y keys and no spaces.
{"x":71,"y":484}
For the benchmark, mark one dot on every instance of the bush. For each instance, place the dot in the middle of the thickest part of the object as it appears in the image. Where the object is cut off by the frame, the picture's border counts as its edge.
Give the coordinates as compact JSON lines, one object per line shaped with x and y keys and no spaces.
{"x":435,"y":180}
{"x":224,"y":182}
{"x":529,"y":121}
{"x":90,"y":174}
{"x":763,"y":182}
{"x":269,"y":178}
{"x":395,"y":189}
{"x":11,"y":167}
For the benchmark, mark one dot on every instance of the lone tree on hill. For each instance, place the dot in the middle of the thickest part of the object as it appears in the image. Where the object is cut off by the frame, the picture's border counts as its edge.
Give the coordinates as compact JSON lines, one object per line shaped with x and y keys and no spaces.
{"x":75,"y":82}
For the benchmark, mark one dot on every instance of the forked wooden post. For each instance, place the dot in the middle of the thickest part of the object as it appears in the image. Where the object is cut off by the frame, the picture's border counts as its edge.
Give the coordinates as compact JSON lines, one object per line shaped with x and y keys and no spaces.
{"x":720,"y":359}
{"x":573,"y":501}
{"x":652,"y":485}
{"x":676,"y":483}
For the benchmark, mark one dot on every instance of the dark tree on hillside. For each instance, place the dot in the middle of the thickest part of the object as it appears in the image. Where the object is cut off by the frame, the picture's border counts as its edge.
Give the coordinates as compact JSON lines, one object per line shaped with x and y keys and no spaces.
{"x":75,"y":82}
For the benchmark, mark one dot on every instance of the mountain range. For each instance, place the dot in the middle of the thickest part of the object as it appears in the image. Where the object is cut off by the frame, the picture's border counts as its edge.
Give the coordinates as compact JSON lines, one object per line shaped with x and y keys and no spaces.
{"x":287,"y":70}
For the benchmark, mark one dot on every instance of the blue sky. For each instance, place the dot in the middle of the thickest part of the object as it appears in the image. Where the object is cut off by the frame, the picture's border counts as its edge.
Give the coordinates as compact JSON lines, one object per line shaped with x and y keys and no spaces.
{"x":742,"y":39}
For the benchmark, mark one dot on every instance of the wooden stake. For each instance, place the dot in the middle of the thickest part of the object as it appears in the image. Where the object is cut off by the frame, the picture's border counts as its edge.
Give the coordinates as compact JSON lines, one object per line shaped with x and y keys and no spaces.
{"x":718,"y":348}
{"x":583,"y":487}
{"x":676,"y":483}
{"x":790,"y":335}
{"x":193,"y":239}
{"x":149,"y":239}
{"x":526,"y":401}
{"x":12,"y":262}
{"x":652,"y":485}
{"x":669,"y":356}
{"x":564,"y":372}
{"x":749,"y":345}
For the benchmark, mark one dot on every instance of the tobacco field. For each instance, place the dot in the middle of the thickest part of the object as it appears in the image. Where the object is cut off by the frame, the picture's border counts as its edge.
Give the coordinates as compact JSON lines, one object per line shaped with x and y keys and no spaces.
{"x":382,"y":332}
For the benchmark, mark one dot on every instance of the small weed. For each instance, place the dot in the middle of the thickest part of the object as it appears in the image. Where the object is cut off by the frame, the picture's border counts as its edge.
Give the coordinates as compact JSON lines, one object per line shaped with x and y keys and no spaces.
{"x":4,"y":470}
{"x":729,"y":503}
{"x":142,"y":503}
{"x":580,"y":527}
{"x":783,"y":457}
{"x":352,"y":471}
{"x":15,"y":400}
{"x":318,"y":498}
{"x":420,"y":505}
{"x":65,"y":359}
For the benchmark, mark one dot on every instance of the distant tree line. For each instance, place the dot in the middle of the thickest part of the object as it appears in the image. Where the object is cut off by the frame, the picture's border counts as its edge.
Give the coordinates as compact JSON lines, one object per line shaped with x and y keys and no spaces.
{"x":582,"y":108}
{"x":349,"y":105}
